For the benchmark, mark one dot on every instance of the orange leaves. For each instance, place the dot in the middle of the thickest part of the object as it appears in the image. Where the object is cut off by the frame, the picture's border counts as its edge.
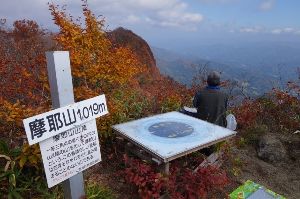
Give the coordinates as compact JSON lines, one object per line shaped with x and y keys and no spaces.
{"x":26,"y":29}
{"x":97,"y":65}
{"x":22,"y":62}
{"x":132,"y":68}
{"x":93,"y":57}
{"x":22,"y":82}
{"x":12,"y":115}
{"x":83,"y":93}
{"x":12,"y":112}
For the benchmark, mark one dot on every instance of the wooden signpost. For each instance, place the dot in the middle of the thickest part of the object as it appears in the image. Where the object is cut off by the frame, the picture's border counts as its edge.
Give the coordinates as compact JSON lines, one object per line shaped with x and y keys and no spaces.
{"x":68,"y":134}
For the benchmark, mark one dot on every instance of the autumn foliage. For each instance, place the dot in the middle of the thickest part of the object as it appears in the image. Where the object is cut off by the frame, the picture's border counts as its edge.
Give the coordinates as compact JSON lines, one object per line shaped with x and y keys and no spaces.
{"x":278,"y":110}
{"x":181,"y":183}
{"x":132,"y":88}
{"x":24,"y":87}
{"x":95,"y":61}
{"x":98,"y":67}
{"x":22,"y":63}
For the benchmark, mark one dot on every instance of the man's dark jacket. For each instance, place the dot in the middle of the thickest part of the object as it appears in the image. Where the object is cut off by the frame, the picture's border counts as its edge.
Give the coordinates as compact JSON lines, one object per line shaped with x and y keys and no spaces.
{"x":211,"y":104}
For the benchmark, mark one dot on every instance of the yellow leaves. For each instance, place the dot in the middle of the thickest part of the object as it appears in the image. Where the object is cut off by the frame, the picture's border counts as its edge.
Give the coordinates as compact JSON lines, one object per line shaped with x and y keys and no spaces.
{"x":26,"y":73}
{"x":15,"y":105}
{"x":97,"y":65}
{"x":11,"y":118}
{"x":30,"y":155}
{"x":22,"y":161}
{"x":93,"y":57}
{"x":33,"y":159}
{"x":14,"y":112}
{"x":236,"y":171}
{"x":25,"y":148}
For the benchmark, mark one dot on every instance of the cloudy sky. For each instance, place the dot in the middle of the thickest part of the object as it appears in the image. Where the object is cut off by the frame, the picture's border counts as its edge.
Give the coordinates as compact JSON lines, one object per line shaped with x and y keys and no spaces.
{"x":179,"y":23}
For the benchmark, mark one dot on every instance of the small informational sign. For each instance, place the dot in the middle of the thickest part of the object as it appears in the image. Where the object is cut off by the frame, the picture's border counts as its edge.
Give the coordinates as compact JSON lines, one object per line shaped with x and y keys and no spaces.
{"x":70,"y":152}
{"x":49,"y":124}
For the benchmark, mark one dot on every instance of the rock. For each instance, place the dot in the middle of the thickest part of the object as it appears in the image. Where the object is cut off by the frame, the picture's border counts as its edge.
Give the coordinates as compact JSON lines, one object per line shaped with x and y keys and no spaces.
{"x":270,"y":149}
{"x":292,"y":145}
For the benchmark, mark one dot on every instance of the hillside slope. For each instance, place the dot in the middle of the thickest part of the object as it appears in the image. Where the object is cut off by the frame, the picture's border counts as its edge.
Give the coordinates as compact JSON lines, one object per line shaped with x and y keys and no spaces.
{"x":127,"y":38}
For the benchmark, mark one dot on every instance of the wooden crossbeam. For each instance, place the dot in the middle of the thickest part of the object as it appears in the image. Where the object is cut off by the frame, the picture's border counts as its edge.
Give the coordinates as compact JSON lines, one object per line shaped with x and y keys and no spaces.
{"x":215,"y":159}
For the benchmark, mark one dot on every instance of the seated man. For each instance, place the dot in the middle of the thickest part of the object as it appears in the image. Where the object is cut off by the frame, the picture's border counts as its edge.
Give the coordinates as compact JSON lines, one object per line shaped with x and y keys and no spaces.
{"x":211,"y":102}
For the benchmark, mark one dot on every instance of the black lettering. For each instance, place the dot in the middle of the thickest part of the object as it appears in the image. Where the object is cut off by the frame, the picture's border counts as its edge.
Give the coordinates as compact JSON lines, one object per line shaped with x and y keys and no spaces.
{"x":70,"y":119}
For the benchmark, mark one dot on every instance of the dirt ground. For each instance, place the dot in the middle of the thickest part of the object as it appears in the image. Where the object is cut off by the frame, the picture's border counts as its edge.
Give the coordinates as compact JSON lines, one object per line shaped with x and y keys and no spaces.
{"x":282,"y":177}
{"x":108,"y":173}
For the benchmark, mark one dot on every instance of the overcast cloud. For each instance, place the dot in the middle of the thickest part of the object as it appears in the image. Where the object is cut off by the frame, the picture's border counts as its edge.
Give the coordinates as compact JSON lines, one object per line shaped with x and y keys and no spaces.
{"x":165,"y":13}
{"x":163,"y":22}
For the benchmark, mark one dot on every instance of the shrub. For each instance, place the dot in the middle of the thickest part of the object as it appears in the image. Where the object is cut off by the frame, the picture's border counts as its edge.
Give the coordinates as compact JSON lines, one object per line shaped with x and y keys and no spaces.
{"x":98,"y":191}
{"x":182,"y":181}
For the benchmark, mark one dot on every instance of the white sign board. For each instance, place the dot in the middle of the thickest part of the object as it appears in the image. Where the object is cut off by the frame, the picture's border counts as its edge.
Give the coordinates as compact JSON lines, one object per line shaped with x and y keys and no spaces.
{"x":70,"y":152}
{"x":49,"y":124}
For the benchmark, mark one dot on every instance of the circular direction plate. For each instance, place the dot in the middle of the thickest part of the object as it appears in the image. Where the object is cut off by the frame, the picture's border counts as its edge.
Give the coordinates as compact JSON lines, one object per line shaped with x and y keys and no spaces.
{"x":171,"y":129}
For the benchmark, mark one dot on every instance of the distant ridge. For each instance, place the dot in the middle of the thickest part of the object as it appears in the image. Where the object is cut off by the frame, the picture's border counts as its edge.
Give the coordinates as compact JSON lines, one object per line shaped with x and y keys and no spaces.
{"x":252,"y":78}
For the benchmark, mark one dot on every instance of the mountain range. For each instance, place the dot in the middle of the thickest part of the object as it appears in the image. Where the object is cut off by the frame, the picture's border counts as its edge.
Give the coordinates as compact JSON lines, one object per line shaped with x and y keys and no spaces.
{"x":254,"y":67}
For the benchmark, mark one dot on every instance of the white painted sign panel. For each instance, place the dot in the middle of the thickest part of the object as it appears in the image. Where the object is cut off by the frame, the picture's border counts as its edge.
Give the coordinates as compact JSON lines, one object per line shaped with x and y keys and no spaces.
{"x":49,"y":124}
{"x":171,"y":135}
{"x":70,"y":152}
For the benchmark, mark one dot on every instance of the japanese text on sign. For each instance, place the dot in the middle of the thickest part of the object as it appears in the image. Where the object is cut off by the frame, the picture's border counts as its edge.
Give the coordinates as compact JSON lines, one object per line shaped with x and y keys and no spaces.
{"x":70,"y":152}
{"x":43,"y":126}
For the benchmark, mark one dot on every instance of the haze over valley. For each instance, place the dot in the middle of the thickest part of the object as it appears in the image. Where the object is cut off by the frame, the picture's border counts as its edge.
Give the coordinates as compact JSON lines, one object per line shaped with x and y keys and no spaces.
{"x":257,"y":67}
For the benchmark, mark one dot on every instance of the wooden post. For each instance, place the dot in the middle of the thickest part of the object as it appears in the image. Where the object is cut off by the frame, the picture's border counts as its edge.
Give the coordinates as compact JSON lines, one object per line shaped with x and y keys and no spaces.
{"x":61,"y":87}
{"x":165,"y":168}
